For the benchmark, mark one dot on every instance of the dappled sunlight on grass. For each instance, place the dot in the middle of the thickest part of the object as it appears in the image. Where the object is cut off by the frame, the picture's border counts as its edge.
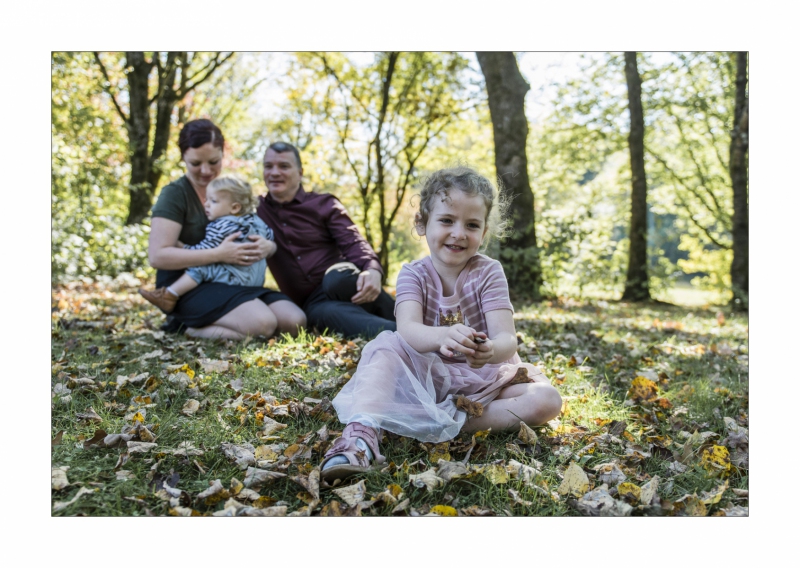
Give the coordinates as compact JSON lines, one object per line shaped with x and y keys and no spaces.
{"x":655,"y":396}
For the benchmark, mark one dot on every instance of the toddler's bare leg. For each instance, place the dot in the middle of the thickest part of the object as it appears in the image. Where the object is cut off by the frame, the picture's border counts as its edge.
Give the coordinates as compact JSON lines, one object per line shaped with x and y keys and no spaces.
{"x":533,"y":403}
{"x":183,"y":284}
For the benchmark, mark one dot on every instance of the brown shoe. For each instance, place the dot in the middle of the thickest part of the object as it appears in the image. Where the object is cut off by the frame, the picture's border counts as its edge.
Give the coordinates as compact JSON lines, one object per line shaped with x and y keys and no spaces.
{"x":161,"y":298}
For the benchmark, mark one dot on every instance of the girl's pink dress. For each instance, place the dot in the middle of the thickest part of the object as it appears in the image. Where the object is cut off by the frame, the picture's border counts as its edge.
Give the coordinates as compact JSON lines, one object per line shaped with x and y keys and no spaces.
{"x":413,"y":394}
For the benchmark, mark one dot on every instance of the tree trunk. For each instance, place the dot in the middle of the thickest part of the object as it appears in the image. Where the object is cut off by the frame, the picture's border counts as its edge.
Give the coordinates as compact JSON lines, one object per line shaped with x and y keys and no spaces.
{"x":738,"y":170}
{"x":637,"y":286}
{"x":138,"y":126}
{"x":165,"y":103}
{"x":506,"y":88}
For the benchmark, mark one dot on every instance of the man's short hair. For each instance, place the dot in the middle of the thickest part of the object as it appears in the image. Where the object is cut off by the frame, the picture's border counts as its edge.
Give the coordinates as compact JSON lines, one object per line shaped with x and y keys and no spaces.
{"x":281,"y":147}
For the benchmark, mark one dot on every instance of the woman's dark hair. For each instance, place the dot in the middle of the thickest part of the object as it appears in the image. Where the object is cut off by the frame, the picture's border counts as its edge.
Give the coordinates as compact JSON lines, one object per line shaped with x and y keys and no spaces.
{"x":196,"y":133}
{"x":281,"y":147}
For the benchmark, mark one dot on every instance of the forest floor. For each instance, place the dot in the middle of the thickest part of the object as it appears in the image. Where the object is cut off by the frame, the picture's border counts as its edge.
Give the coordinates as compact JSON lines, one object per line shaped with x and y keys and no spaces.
{"x":654,"y":421}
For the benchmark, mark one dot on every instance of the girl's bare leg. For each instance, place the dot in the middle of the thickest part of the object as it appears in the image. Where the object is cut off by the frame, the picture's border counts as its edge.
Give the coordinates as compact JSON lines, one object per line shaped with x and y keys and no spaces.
{"x":290,"y":317}
{"x":251,"y":318}
{"x":533,"y":403}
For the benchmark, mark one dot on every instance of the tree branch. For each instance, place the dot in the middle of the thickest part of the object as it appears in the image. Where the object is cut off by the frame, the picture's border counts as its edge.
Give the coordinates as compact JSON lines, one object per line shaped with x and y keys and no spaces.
{"x":107,"y":88}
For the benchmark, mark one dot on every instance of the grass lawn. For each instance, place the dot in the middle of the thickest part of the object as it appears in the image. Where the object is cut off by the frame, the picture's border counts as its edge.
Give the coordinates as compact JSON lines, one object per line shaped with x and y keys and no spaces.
{"x":654,"y":420}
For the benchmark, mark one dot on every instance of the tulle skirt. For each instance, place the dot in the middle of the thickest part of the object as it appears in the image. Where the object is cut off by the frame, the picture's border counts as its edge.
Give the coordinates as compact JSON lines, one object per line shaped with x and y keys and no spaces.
{"x":413,"y":394}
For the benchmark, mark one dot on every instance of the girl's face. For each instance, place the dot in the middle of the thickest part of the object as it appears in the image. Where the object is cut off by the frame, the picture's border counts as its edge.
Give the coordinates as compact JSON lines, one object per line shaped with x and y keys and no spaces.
{"x":203,"y":164}
{"x":455,"y":229}
{"x":219,"y":204}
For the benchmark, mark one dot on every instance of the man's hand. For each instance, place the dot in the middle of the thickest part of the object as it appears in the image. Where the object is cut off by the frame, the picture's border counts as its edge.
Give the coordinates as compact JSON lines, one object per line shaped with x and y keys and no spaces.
{"x":368,"y":286}
{"x":266,"y":248}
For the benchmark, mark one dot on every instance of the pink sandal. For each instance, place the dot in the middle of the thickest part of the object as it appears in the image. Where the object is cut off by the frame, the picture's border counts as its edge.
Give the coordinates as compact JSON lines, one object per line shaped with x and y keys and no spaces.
{"x":346,"y":446}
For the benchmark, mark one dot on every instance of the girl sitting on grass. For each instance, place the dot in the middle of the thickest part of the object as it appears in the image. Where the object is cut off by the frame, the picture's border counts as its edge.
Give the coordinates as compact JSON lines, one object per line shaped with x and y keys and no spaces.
{"x":455,"y":349}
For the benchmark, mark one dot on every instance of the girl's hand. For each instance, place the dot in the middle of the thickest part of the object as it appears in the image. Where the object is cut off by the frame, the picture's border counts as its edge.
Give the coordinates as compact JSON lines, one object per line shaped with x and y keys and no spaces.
{"x":483,"y":353}
{"x":458,"y":340}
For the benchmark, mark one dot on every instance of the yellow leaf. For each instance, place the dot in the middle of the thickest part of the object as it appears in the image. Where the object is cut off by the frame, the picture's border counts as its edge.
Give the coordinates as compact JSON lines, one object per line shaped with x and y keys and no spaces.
{"x":138,"y":417}
{"x":439,"y":452}
{"x":495,"y":473}
{"x":629,"y":490}
{"x":643,"y":390}
{"x":186,"y":369}
{"x":575,"y":481}
{"x":444,"y":511}
{"x":716,"y":460}
{"x":713,"y":497}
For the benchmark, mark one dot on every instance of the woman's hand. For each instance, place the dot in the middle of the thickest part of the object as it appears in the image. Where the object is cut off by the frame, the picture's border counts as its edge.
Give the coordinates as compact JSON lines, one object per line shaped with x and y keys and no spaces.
{"x":458,"y":340}
{"x":241,"y":254}
{"x":483,"y":352}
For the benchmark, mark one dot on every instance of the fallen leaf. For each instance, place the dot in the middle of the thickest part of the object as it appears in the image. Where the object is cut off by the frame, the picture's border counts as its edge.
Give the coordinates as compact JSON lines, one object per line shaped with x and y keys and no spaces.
{"x":98,"y":438}
{"x":309,"y":482}
{"x":712,"y":497}
{"x":57,"y":440}
{"x":449,"y":471}
{"x":255,"y":478}
{"x":124,"y":475}
{"x":716,"y":460}
{"x":401,"y":506}
{"x":472,"y":408}
{"x":598,"y":503}
{"x":630,"y":491}
{"x":298,"y":452}
{"x":610,"y":474}
{"x":214,"y":366}
{"x":575,"y":481}
{"x":649,"y":493}
{"x":276,"y":511}
{"x":140,"y":447}
{"x":352,"y":494}
{"x":736,"y":511}
{"x":89,"y":416}
{"x":523,"y":472}
{"x":517,"y":499}
{"x":495,"y":473}
{"x":271,"y":426}
{"x":443,"y":511}
{"x":439,"y":452}
{"x":185,"y":449}
{"x":242,"y":454}
{"x":58,"y":477}
{"x":336,"y":509}
{"x":237,"y":385}
{"x":190,"y":407}
{"x":427,"y":479}
{"x":61,"y":505}
{"x":642,"y":390}
{"x":214,"y":494}
{"x":521,"y":376}
{"x":475,"y":511}
{"x":689,"y":506}
{"x":527,"y":435}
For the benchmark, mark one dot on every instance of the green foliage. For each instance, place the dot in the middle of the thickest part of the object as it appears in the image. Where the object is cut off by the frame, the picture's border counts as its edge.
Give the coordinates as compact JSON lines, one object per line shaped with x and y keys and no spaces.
{"x":581,"y":175}
{"x":89,"y":165}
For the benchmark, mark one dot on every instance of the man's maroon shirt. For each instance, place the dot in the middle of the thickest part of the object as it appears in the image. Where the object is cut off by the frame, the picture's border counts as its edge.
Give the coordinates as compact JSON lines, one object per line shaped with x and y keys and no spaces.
{"x":312,"y":232}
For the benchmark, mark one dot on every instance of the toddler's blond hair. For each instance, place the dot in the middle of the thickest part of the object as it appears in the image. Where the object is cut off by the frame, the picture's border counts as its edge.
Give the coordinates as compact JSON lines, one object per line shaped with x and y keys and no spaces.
{"x":240,"y":191}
